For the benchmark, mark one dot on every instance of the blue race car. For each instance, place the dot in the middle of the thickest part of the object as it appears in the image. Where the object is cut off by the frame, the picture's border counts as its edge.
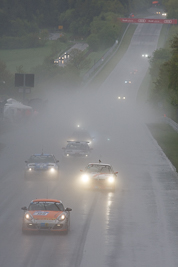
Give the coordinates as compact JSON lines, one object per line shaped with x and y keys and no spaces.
{"x":42,"y":165}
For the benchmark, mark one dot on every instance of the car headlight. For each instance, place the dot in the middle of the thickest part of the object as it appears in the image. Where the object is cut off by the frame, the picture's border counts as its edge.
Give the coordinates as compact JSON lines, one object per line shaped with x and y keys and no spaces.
{"x":30,"y":168}
{"x":28,"y":216}
{"x":85,"y":178}
{"x":52,"y":169}
{"x":61,"y":217}
{"x":111,"y":179}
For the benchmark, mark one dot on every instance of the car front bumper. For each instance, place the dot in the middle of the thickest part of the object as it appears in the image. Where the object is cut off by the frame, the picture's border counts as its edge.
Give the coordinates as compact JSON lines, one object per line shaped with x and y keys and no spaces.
{"x":39,"y":225}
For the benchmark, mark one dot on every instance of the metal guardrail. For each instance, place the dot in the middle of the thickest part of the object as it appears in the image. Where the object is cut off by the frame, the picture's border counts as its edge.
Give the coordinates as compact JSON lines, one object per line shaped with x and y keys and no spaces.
{"x":103,"y":61}
{"x":172,"y":123}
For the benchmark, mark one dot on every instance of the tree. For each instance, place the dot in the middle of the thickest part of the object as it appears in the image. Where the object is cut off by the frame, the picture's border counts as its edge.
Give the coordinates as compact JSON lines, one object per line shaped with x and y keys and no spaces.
{"x":93,"y":42}
{"x":160,"y":90}
{"x":164,"y":70}
{"x":6,"y":80}
{"x":174,"y":44}
{"x":160,"y":56}
{"x":107,"y":28}
{"x":172,"y":8}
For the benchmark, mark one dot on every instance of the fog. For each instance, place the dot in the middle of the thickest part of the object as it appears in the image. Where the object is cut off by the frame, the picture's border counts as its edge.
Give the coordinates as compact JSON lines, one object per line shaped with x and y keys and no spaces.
{"x":133,"y":226}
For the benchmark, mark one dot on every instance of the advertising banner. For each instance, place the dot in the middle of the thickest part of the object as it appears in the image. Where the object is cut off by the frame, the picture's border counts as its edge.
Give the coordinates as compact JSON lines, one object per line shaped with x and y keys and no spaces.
{"x":157,"y":21}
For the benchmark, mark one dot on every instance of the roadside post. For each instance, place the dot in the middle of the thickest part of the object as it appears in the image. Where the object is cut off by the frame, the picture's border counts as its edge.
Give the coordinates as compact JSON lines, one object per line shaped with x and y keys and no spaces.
{"x":24,"y":82}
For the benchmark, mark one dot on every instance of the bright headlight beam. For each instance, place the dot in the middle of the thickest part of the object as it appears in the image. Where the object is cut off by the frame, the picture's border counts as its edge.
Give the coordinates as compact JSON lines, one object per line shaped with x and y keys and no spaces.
{"x":111,"y":179}
{"x":61,"y":217}
{"x":27,"y":216}
{"x":85,"y":178}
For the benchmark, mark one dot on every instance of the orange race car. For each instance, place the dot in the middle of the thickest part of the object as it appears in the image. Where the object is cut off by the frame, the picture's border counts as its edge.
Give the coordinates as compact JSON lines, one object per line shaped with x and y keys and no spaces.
{"x":46,"y":215}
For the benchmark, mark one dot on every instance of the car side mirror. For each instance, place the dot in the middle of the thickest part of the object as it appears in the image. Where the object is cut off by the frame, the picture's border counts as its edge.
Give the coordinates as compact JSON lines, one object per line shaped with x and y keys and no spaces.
{"x":68,"y":209}
{"x":24,"y":208}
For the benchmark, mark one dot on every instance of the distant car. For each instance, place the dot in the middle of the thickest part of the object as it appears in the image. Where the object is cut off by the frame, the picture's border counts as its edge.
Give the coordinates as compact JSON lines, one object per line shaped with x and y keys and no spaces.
{"x":128,"y":81}
{"x":99,"y":175}
{"x":82,"y":135}
{"x":77,"y":149}
{"x":145,"y":55}
{"x":131,"y":15}
{"x":46,"y":215}
{"x":134,"y":71}
{"x":56,"y":61}
{"x":43,"y":165}
{"x":122,"y":97}
{"x":158,"y":12}
{"x":164,"y":14}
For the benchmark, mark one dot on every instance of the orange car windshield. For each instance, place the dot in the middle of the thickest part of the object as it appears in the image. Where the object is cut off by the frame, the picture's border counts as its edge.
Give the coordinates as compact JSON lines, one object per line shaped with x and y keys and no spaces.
{"x":51,"y":206}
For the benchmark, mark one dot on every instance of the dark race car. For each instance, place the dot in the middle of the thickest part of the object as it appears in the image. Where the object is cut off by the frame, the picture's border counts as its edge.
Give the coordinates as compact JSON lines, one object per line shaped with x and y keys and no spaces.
{"x":82,"y":135}
{"x":77,"y":149}
{"x":42,"y":165}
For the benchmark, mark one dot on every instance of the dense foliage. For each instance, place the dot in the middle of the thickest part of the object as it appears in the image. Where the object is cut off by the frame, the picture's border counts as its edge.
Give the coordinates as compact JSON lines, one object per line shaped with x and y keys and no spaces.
{"x":27,"y":24}
{"x":164,"y":70}
{"x":19,"y":17}
{"x":171,"y":8}
{"x":164,"y":65}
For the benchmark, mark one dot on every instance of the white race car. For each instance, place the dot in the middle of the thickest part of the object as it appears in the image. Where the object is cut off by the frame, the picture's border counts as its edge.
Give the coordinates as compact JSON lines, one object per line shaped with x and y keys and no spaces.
{"x":77,"y":149}
{"x":99,"y":175}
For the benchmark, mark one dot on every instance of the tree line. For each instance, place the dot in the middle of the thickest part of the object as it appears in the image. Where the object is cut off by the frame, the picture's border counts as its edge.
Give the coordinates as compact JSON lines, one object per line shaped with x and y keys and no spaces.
{"x":25,"y":19}
{"x":164,"y":75}
{"x":26,"y":24}
{"x":164,"y":68}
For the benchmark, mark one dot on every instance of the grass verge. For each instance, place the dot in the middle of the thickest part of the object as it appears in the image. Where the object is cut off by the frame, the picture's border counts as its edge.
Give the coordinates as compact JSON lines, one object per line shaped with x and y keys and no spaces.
{"x":167,"y":139}
{"x":28,"y":58}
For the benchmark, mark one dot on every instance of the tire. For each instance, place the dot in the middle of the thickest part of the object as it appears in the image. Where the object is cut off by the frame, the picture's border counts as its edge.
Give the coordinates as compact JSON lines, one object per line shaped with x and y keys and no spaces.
{"x":68,"y":229}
